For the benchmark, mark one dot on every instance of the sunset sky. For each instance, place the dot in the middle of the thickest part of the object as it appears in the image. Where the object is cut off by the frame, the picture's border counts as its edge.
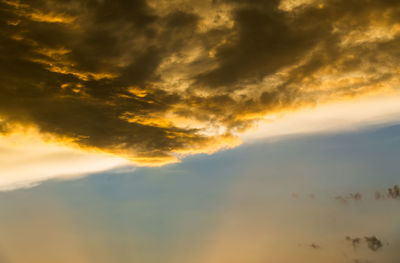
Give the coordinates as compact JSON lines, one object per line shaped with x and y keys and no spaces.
{"x":214,"y":131}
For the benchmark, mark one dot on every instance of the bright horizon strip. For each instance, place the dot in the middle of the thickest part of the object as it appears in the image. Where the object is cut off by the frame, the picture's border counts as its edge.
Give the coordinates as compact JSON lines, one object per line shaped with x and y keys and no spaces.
{"x":331,"y":117}
{"x":26,"y":160}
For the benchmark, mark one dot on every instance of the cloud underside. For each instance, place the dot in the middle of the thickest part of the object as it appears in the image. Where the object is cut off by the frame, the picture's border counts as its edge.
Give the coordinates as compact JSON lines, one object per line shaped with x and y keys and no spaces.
{"x":154,"y":80}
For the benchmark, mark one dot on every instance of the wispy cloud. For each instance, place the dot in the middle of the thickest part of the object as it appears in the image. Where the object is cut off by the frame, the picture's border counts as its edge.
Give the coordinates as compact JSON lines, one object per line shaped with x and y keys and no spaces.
{"x":346,"y":199}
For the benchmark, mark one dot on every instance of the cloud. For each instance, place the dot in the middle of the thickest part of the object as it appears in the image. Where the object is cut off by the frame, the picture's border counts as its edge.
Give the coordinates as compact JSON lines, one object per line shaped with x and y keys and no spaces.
{"x":152,"y":81}
{"x":345,"y":199}
{"x":26,"y":159}
{"x":372,"y":242}
{"x":355,"y":242}
{"x":392,"y":193}
{"x":315,"y":246}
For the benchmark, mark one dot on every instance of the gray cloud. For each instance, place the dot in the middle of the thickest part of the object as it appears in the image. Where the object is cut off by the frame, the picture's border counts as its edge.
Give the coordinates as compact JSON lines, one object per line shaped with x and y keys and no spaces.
{"x":372,"y":242}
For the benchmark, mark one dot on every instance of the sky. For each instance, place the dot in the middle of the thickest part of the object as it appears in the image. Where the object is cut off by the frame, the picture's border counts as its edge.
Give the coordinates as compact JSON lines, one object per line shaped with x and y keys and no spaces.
{"x":210,"y":131}
{"x":307,"y":198}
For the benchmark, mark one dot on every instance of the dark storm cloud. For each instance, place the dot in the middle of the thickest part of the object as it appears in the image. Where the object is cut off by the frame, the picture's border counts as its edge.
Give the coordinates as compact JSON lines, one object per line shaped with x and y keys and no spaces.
{"x":150,"y":80}
{"x":265,"y":39}
{"x":74,"y":93}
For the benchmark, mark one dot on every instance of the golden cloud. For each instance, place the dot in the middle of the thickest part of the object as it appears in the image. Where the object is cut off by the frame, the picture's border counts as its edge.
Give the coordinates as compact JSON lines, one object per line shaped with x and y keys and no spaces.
{"x":156,"y":80}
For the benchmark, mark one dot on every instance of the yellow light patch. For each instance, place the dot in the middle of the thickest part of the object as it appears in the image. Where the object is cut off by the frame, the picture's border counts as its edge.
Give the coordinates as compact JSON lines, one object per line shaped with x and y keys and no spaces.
{"x":148,"y":120}
{"x":28,"y":158}
{"x":137,"y":91}
{"x":50,"y":17}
